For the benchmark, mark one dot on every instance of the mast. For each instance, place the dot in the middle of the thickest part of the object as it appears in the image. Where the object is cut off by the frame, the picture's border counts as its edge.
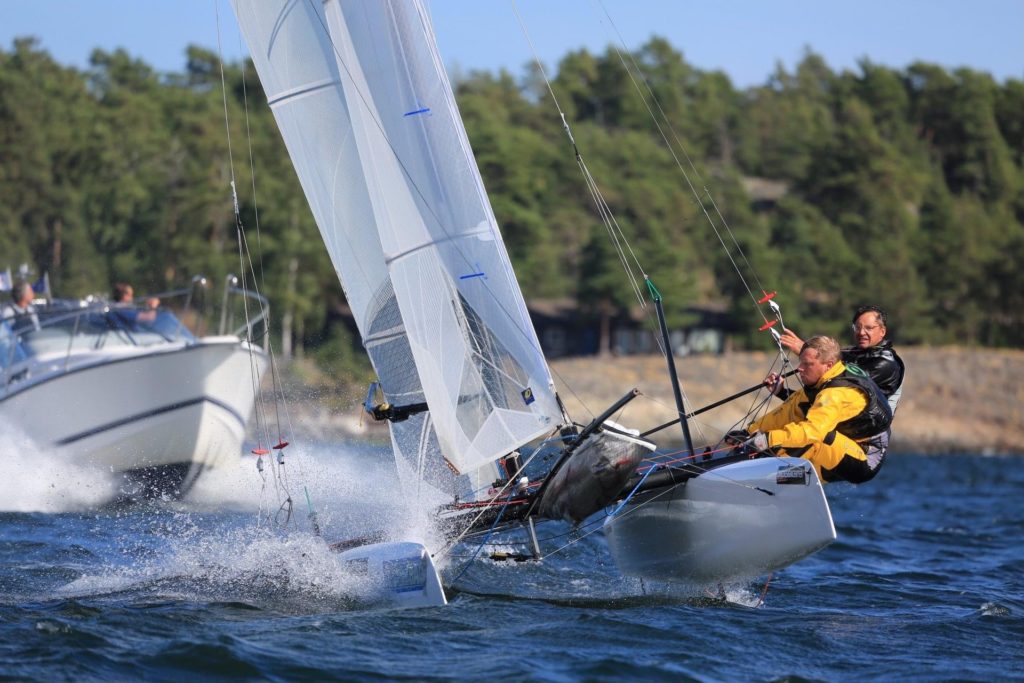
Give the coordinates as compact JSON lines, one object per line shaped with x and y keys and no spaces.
{"x":670,"y":359}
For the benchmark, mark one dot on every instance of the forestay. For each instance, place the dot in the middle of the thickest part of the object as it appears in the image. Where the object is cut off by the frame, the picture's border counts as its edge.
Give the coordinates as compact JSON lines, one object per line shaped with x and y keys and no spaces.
{"x":372,"y":128}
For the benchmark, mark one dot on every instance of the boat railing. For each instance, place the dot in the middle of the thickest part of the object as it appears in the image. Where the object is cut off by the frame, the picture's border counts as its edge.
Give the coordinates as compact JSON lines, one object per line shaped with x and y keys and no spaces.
{"x":237,"y":303}
{"x":252,"y":308}
{"x":60,"y":331}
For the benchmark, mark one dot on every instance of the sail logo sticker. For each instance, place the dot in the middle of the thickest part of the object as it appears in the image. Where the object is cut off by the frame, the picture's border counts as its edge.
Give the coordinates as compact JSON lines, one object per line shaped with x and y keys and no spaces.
{"x":528,"y":397}
{"x":792,"y":474}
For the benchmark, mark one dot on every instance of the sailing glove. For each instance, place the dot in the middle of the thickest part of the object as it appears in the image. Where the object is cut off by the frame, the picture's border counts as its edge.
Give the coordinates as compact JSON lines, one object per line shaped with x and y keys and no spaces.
{"x":758,"y":442}
{"x":736,"y":437}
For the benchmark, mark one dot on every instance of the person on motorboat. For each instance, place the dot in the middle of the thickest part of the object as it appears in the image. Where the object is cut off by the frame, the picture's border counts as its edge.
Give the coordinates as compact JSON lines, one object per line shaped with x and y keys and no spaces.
{"x":873,"y":353}
{"x":124,"y":296}
{"x":830,"y":420}
{"x":17,"y":318}
{"x":19,"y":313}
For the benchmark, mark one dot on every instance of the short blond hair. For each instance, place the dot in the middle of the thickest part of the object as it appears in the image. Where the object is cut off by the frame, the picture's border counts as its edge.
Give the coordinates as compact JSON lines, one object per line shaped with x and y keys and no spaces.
{"x":827,"y":348}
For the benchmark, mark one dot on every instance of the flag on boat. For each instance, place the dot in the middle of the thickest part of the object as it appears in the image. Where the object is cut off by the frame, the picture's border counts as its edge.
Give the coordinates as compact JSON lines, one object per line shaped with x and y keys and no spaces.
{"x":42,"y":285}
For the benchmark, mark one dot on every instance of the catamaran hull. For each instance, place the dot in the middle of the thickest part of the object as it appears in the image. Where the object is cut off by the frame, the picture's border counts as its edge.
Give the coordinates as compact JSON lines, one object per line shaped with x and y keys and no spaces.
{"x":735,"y":522}
{"x":159,"y":417}
{"x":394,"y":575}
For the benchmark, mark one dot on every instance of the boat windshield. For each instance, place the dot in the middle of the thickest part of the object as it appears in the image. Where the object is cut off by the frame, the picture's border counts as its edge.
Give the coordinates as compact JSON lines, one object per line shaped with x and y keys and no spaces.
{"x":57,"y":332}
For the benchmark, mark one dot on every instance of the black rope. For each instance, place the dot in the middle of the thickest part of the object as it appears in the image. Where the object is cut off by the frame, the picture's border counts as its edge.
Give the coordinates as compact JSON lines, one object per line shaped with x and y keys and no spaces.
{"x":711,"y":406}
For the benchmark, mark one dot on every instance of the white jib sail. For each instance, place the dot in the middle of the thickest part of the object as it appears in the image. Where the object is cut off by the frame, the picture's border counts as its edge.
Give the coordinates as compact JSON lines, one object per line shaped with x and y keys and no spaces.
{"x":370,"y":122}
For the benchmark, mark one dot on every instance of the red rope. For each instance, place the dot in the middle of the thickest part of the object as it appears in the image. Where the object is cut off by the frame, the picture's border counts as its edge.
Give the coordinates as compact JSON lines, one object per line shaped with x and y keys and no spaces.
{"x":489,"y":503}
{"x":764,"y":592}
{"x":657,"y":462}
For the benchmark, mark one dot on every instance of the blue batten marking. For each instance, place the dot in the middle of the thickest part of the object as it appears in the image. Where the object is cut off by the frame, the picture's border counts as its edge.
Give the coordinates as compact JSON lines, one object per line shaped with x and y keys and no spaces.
{"x":425,"y":110}
{"x":471,"y":275}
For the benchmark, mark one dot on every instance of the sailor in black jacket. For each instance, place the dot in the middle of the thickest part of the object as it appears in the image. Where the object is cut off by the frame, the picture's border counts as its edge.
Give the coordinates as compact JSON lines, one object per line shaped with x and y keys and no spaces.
{"x":874,"y":354}
{"x":882,"y":364}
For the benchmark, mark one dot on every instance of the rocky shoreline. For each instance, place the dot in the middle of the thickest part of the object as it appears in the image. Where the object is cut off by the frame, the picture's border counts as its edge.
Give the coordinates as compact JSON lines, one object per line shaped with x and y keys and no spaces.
{"x":954,"y":399}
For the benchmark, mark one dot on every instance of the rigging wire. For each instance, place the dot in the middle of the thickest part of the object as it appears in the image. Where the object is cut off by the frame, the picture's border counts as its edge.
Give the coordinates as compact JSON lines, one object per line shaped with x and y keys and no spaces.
{"x":668,"y":144}
{"x":465,"y":567}
{"x":259,"y":412}
{"x":259,"y":408}
{"x":597,"y":527}
{"x":246,"y":266}
{"x":619,"y":240}
{"x":512,"y":480}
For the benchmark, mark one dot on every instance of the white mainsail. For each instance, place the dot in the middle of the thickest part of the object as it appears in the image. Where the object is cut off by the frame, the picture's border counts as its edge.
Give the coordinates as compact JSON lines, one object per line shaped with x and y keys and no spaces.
{"x":370,"y":122}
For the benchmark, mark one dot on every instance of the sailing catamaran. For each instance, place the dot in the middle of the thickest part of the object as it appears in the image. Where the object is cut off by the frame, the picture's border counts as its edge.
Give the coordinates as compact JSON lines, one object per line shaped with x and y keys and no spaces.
{"x":370,"y":122}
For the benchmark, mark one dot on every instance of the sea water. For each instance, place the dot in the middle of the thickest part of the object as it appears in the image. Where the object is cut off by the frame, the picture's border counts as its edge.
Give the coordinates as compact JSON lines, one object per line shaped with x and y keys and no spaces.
{"x":925,"y":582}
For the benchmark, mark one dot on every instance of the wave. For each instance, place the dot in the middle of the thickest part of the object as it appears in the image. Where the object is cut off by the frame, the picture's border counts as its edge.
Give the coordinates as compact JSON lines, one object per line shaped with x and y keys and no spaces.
{"x":38,"y":479}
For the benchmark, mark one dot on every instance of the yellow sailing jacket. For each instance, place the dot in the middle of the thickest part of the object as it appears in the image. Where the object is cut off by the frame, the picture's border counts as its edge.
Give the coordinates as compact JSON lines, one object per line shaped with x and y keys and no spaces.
{"x":789,"y":426}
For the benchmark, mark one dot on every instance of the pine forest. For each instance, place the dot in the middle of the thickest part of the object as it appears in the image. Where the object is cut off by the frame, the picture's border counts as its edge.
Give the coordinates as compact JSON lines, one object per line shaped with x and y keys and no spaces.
{"x":901,"y":187}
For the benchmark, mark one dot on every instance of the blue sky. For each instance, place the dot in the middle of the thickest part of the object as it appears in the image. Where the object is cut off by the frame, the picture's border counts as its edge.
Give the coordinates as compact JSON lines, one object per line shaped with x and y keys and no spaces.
{"x":744,"y":38}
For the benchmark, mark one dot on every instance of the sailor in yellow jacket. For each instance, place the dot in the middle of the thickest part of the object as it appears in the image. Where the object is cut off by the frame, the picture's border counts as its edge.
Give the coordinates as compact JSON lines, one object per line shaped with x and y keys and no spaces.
{"x":824,"y":422}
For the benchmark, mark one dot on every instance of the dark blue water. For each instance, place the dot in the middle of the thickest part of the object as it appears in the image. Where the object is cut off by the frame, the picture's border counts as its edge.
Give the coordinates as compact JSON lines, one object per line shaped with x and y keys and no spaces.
{"x":926,"y":582}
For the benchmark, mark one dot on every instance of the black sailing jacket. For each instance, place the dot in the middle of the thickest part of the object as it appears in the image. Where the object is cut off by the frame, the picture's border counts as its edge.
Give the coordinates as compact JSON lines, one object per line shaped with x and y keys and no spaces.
{"x":880,"y":362}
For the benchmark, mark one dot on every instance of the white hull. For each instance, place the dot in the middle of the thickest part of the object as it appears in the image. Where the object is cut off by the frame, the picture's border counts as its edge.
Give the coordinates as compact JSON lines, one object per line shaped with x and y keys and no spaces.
{"x":394,"y":575}
{"x":722,"y":526}
{"x":162,"y":413}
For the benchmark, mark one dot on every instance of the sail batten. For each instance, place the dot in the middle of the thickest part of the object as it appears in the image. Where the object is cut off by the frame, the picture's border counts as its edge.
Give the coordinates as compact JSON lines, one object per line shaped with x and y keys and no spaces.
{"x":391,"y":258}
{"x":307,"y":89}
{"x":370,"y":122}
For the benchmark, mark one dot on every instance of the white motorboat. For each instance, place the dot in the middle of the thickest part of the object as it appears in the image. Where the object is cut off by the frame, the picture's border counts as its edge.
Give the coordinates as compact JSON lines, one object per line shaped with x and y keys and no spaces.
{"x":130,"y":390}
